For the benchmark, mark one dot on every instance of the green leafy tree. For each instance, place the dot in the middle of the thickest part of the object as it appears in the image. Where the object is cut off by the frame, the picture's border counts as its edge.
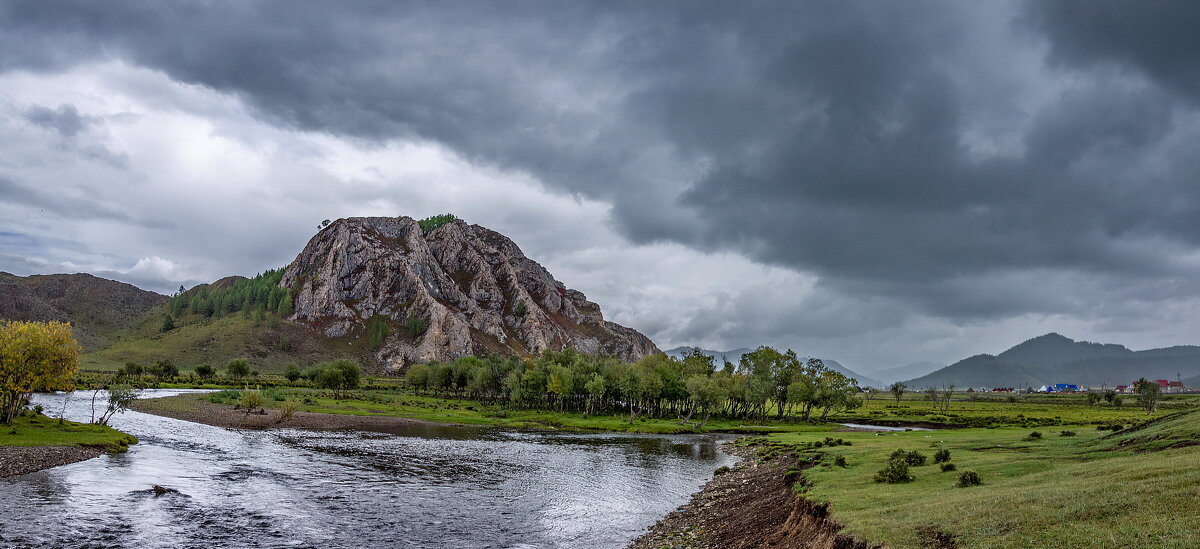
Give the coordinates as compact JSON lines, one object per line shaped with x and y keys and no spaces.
{"x":238,"y":368}
{"x":1148,"y":394}
{"x":291,"y":372}
{"x":168,"y":323}
{"x":34,"y":356}
{"x":897,"y":389}
{"x":204,"y":371}
{"x":430,"y":224}
{"x":417,"y":377}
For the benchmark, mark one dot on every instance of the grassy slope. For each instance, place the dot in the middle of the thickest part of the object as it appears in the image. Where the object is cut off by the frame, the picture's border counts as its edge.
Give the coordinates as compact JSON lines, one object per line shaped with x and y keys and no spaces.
{"x":1080,"y":491}
{"x":268,"y":345}
{"x":44,"y":431}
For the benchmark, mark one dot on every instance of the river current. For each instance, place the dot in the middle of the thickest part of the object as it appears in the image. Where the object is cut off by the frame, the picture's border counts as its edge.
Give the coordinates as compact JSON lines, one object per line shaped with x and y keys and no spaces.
{"x":418,"y":486}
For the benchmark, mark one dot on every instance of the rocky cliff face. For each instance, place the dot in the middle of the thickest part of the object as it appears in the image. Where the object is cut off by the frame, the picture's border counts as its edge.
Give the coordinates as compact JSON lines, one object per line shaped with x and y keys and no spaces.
{"x":471,"y":289}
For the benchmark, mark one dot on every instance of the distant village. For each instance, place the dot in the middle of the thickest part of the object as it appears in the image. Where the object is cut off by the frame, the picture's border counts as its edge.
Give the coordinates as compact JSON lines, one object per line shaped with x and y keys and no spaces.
{"x":1164,"y":386}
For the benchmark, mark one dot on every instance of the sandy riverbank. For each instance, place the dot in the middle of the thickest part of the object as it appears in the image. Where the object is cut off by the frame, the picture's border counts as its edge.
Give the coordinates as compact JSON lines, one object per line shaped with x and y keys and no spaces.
{"x":195,"y":408}
{"x":751,"y":506}
{"x":19,"y":460}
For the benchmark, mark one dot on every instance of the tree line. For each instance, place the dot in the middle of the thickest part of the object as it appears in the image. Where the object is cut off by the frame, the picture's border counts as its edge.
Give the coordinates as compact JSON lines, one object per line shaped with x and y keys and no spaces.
{"x":259,"y":294}
{"x":765,"y":383}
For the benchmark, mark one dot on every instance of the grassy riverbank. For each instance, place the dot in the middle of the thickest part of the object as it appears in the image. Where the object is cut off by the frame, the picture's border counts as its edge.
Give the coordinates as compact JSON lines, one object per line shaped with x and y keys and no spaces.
{"x":34,"y":442}
{"x":39,"y":430}
{"x":465,"y":412}
{"x":1137,"y":488}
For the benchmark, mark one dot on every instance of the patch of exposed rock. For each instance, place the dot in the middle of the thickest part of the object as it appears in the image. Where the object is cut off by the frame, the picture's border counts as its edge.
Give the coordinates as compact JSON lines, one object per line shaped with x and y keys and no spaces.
{"x":472,"y":289}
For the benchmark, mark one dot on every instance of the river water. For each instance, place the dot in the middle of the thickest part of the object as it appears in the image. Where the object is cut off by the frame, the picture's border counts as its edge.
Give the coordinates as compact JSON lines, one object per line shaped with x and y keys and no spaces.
{"x":421,"y":486}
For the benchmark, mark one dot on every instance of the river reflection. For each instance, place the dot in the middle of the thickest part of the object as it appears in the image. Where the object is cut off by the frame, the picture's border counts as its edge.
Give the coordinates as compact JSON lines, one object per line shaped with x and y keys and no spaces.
{"x":412,"y":486}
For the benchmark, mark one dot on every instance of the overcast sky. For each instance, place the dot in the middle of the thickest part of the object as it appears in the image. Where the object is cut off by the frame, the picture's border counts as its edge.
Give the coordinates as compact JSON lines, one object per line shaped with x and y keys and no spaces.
{"x":874,"y":182}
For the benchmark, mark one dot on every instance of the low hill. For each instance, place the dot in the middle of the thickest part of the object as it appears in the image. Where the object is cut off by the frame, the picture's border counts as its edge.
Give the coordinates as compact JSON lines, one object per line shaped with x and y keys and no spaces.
{"x":1053,"y":358}
{"x":97,"y":307}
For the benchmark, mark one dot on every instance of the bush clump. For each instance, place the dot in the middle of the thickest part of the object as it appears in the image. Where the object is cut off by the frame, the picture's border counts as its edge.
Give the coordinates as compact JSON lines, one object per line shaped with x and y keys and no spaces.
{"x":1035,"y":435}
{"x":896,"y":471}
{"x":1067,"y":433}
{"x":914,"y":457}
{"x":969,"y":478}
{"x":840,"y":461}
{"x":941,"y":456}
{"x":948,"y":466}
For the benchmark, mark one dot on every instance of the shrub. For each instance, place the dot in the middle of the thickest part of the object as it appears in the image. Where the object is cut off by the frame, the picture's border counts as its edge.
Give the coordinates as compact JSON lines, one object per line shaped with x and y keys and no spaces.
{"x":204,"y":371}
{"x":912,"y":458}
{"x":286,"y":411}
{"x":947,"y":466}
{"x":1035,"y":435}
{"x":292,"y":373}
{"x":941,"y":456}
{"x":840,"y":461}
{"x":1067,"y":433}
{"x":238,"y":368}
{"x":415,"y":325}
{"x":252,"y":400}
{"x":721,"y":471}
{"x":969,"y":478}
{"x":894,"y":472}
{"x":897,"y":455}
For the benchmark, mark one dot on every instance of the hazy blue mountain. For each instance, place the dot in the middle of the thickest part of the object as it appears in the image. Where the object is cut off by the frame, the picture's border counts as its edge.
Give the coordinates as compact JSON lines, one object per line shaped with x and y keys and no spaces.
{"x":735,"y":355}
{"x":1052,"y":358}
{"x":720,"y":357}
{"x":908,"y":371}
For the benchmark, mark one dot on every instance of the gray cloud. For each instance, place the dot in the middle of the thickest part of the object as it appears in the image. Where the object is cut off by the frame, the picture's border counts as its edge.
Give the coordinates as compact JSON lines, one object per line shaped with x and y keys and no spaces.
{"x":66,"y":119}
{"x":959,"y":160}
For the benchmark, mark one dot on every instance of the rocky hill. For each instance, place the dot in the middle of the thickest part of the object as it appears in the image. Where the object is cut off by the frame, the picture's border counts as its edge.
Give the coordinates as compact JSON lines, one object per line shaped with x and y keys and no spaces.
{"x":441,"y":293}
{"x":96,"y":306}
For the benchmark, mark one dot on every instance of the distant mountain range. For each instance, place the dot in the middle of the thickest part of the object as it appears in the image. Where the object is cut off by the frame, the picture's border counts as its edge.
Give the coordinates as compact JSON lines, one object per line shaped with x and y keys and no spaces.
{"x":735,"y":355}
{"x":1053,"y":358}
{"x":908,"y":371}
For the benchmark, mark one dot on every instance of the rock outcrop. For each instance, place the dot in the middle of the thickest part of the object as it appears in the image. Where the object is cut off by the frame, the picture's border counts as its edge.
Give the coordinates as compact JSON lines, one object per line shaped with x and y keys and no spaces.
{"x":458,"y":290}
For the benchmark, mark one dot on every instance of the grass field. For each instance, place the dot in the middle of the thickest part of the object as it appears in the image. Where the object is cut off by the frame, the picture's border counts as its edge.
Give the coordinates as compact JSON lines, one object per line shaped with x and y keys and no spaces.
{"x":1135,"y":488}
{"x":40,"y":430}
{"x":1031,"y":410}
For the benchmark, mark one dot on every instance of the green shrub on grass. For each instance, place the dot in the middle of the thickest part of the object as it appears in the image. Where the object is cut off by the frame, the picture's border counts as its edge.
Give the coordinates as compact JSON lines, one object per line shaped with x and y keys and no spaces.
{"x":1036,"y":435}
{"x":840,"y":461}
{"x":896,"y":471}
{"x":941,"y":456}
{"x":969,"y":478}
{"x":1067,"y":433}
{"x":948,"y":466}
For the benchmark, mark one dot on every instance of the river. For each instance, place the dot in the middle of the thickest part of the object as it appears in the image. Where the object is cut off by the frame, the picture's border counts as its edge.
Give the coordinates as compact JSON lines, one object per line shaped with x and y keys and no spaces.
{"x":420,"y":486}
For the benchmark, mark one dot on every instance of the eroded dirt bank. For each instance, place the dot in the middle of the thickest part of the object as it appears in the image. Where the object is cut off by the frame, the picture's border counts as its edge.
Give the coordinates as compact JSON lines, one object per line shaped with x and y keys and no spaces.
{"x":751,"y":506}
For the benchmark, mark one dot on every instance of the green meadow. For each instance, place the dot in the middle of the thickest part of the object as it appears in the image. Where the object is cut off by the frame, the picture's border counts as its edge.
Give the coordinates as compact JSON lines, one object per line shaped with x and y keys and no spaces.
{"x":1139,"y":487}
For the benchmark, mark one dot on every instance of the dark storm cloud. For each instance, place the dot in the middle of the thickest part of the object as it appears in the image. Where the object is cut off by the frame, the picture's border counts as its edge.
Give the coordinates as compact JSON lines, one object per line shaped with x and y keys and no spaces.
{"x":921,"y":151}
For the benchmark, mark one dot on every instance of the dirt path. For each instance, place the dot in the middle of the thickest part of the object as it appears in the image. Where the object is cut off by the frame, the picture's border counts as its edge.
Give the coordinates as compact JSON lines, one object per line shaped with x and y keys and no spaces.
{"x":751,"y":506}
{"x":19,"y":460}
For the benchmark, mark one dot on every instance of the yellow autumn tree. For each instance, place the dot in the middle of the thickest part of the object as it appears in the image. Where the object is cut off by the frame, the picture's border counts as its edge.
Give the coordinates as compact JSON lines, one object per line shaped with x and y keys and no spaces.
{"x":34,"y":356}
